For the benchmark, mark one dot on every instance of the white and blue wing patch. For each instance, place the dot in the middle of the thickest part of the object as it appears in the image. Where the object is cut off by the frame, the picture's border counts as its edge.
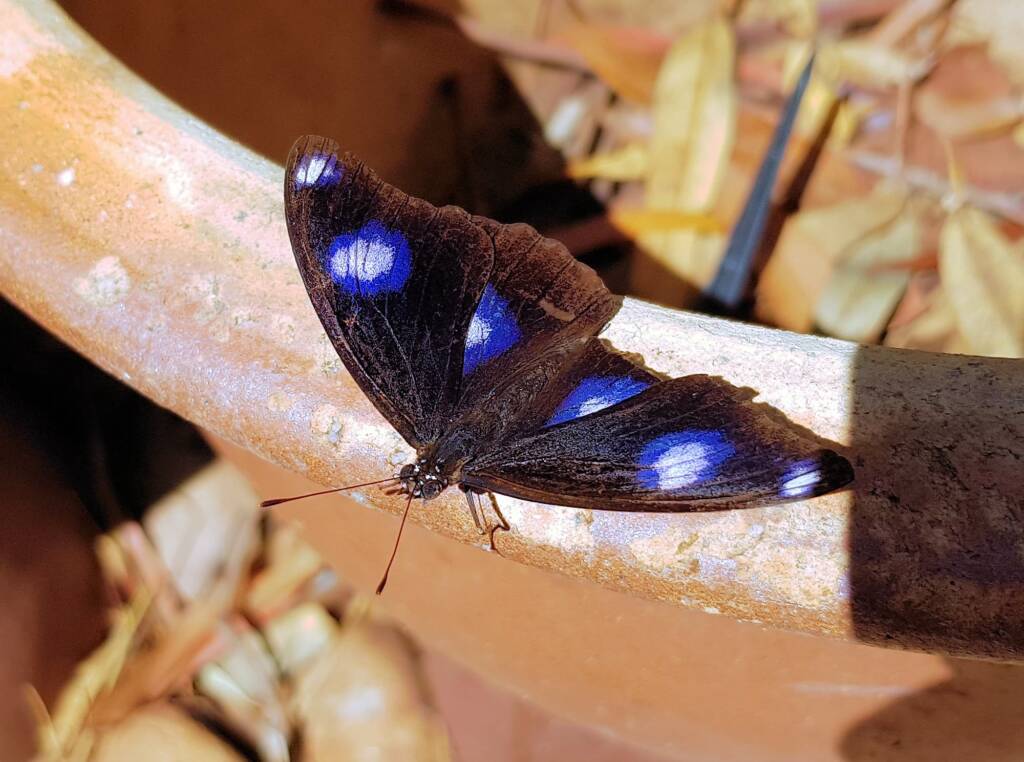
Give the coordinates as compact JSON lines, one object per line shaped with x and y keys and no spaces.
{"x":493,"y":330}
{"x":596,"y":393}
{"x":373,"y":260}
{"x":801,"y":479}
{"x":317,"y":170}
{"x":682,"y":459}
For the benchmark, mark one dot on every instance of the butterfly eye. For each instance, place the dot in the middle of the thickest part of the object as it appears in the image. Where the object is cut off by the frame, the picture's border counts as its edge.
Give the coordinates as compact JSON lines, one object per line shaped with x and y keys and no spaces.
{"x":431,"y":489}
{"x":407,"y":471}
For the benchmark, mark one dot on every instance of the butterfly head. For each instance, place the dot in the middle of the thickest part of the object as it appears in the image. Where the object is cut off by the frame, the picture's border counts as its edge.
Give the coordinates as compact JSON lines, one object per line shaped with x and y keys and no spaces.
{"x":423,"y":479}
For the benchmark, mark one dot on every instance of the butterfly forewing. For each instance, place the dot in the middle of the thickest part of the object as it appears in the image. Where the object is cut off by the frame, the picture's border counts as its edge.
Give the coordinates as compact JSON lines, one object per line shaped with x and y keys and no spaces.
{"x":452,"y":324}
{"x":393,"y":279}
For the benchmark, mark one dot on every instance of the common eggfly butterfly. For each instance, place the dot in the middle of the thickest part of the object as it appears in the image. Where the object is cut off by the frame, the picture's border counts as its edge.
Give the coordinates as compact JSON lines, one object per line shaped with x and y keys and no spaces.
{"x":478,"y":342}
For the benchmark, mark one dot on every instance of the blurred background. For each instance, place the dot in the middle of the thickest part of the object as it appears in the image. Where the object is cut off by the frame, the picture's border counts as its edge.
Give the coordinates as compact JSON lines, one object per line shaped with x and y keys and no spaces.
{"x":153,"y":613}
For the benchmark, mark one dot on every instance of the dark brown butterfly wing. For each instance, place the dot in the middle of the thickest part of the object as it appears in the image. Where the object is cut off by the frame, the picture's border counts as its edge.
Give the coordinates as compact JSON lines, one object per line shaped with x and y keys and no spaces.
{"x":393,"y":279}
{"x":439,"y":316}
{"x":686,"y":444}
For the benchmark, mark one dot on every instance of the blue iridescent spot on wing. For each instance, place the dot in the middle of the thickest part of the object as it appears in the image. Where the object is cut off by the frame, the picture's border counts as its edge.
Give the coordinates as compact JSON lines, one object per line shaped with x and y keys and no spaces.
{"x":371,"y":261}
{"x":596,"y":393}
{"x":682,"y":459}
{"x":801,"y":479}
{"x":317,"y":170}
{"x":492,"y":331}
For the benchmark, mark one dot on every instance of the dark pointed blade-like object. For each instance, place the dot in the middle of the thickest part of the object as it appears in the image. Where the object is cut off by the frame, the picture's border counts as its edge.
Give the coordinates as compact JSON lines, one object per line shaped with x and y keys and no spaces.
{"x":729,"y":286}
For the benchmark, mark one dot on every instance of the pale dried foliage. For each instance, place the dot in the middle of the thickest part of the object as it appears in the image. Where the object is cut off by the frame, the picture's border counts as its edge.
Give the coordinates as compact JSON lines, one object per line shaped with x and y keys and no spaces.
{"x":689,"y":94}
{"x":222,"y":631}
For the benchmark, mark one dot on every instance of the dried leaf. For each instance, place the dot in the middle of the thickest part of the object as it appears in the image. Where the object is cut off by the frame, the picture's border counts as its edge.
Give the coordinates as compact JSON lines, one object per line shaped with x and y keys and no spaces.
{"x":625,"y":59}
{"x":812,"y":241}
{"x":245,"y":684}
{"x":694,"y":119}
{"x":622,"y":164}
{"x":161,"y":733}
{"x":819,"y":100}
{"x":298,"y":636}
{"x":168,"y":663}
{"x":694,"y":131}
{"x":798,"y":17}
{"x":292,"y":565}
{"x":962,"y":120}
{"x":983,"y":275}
{"x":863,"y":293}
{"x":998,"y":24}
{"x":638,"y":222}
{"x":903,"y":19}
{"x":93,"y":678}
{"x":871,"y":65}
{"x":967,"y":95}
{"x":206,"y":528}
{"x":933,"y":330}
{"x":365,"y":691}
{"x":1018,"y":135}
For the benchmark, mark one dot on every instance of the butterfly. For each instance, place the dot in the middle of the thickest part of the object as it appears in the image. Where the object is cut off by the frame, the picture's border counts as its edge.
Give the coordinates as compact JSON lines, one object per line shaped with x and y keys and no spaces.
{"x":479,"y":342}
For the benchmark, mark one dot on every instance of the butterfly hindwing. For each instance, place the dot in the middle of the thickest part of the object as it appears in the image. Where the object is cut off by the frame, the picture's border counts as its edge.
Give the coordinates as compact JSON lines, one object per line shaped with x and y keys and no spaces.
{"x":538,"y":311}
{"x":595,"y":378}
{"x":685,"y":444}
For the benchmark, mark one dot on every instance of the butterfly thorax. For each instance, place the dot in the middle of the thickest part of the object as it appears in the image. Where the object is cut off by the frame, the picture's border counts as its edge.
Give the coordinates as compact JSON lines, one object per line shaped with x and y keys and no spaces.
{"x":423,"y":479}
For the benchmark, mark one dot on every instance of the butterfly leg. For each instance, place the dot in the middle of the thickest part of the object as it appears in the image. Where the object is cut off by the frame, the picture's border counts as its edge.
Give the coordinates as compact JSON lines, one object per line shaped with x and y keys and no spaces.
{"x":502,"y":524}
{"x":474,"y":509}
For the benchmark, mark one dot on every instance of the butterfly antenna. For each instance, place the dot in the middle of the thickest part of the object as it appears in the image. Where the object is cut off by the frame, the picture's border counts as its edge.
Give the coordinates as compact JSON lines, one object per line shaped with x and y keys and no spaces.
{"x":394,"y":551}
{"x":279,"y":500}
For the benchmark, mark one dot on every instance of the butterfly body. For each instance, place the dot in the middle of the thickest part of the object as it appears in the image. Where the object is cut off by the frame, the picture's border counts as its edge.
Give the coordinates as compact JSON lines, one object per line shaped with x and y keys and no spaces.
{"x":479,"y":343}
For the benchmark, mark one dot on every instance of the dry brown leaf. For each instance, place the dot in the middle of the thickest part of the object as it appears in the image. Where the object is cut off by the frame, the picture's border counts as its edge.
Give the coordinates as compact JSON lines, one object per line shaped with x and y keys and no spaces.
{"x":245,"y":684}
{"x":362,"y":700}
{"x":811,"y":242}
{"x":161,"y":733}
{"x":168,"y":663}
{"x":694,"y":119}
{"x":983,"y":275}
{"x":1018,"y":135}
{"x":627,"y":60}
{"x":694,"y":131}
{"x":206,"y":528}
{"x":639,"y":222}
{"x":298,"y":636}
{"x":93,"y":678}
{"x":956,"y":120}
{"x":572,"y":123}
{"x":819,"y":99}
{"x":903,"y":19}
{"x":933,"y":330}
{"x":292,"y":565}
{"x":863,"y":293}
{"x":630,"y":162}
{"x":998,"y":24}
{"x":870,"y":65}
{"x":967,"y":95}
{"x":798,"y":17}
